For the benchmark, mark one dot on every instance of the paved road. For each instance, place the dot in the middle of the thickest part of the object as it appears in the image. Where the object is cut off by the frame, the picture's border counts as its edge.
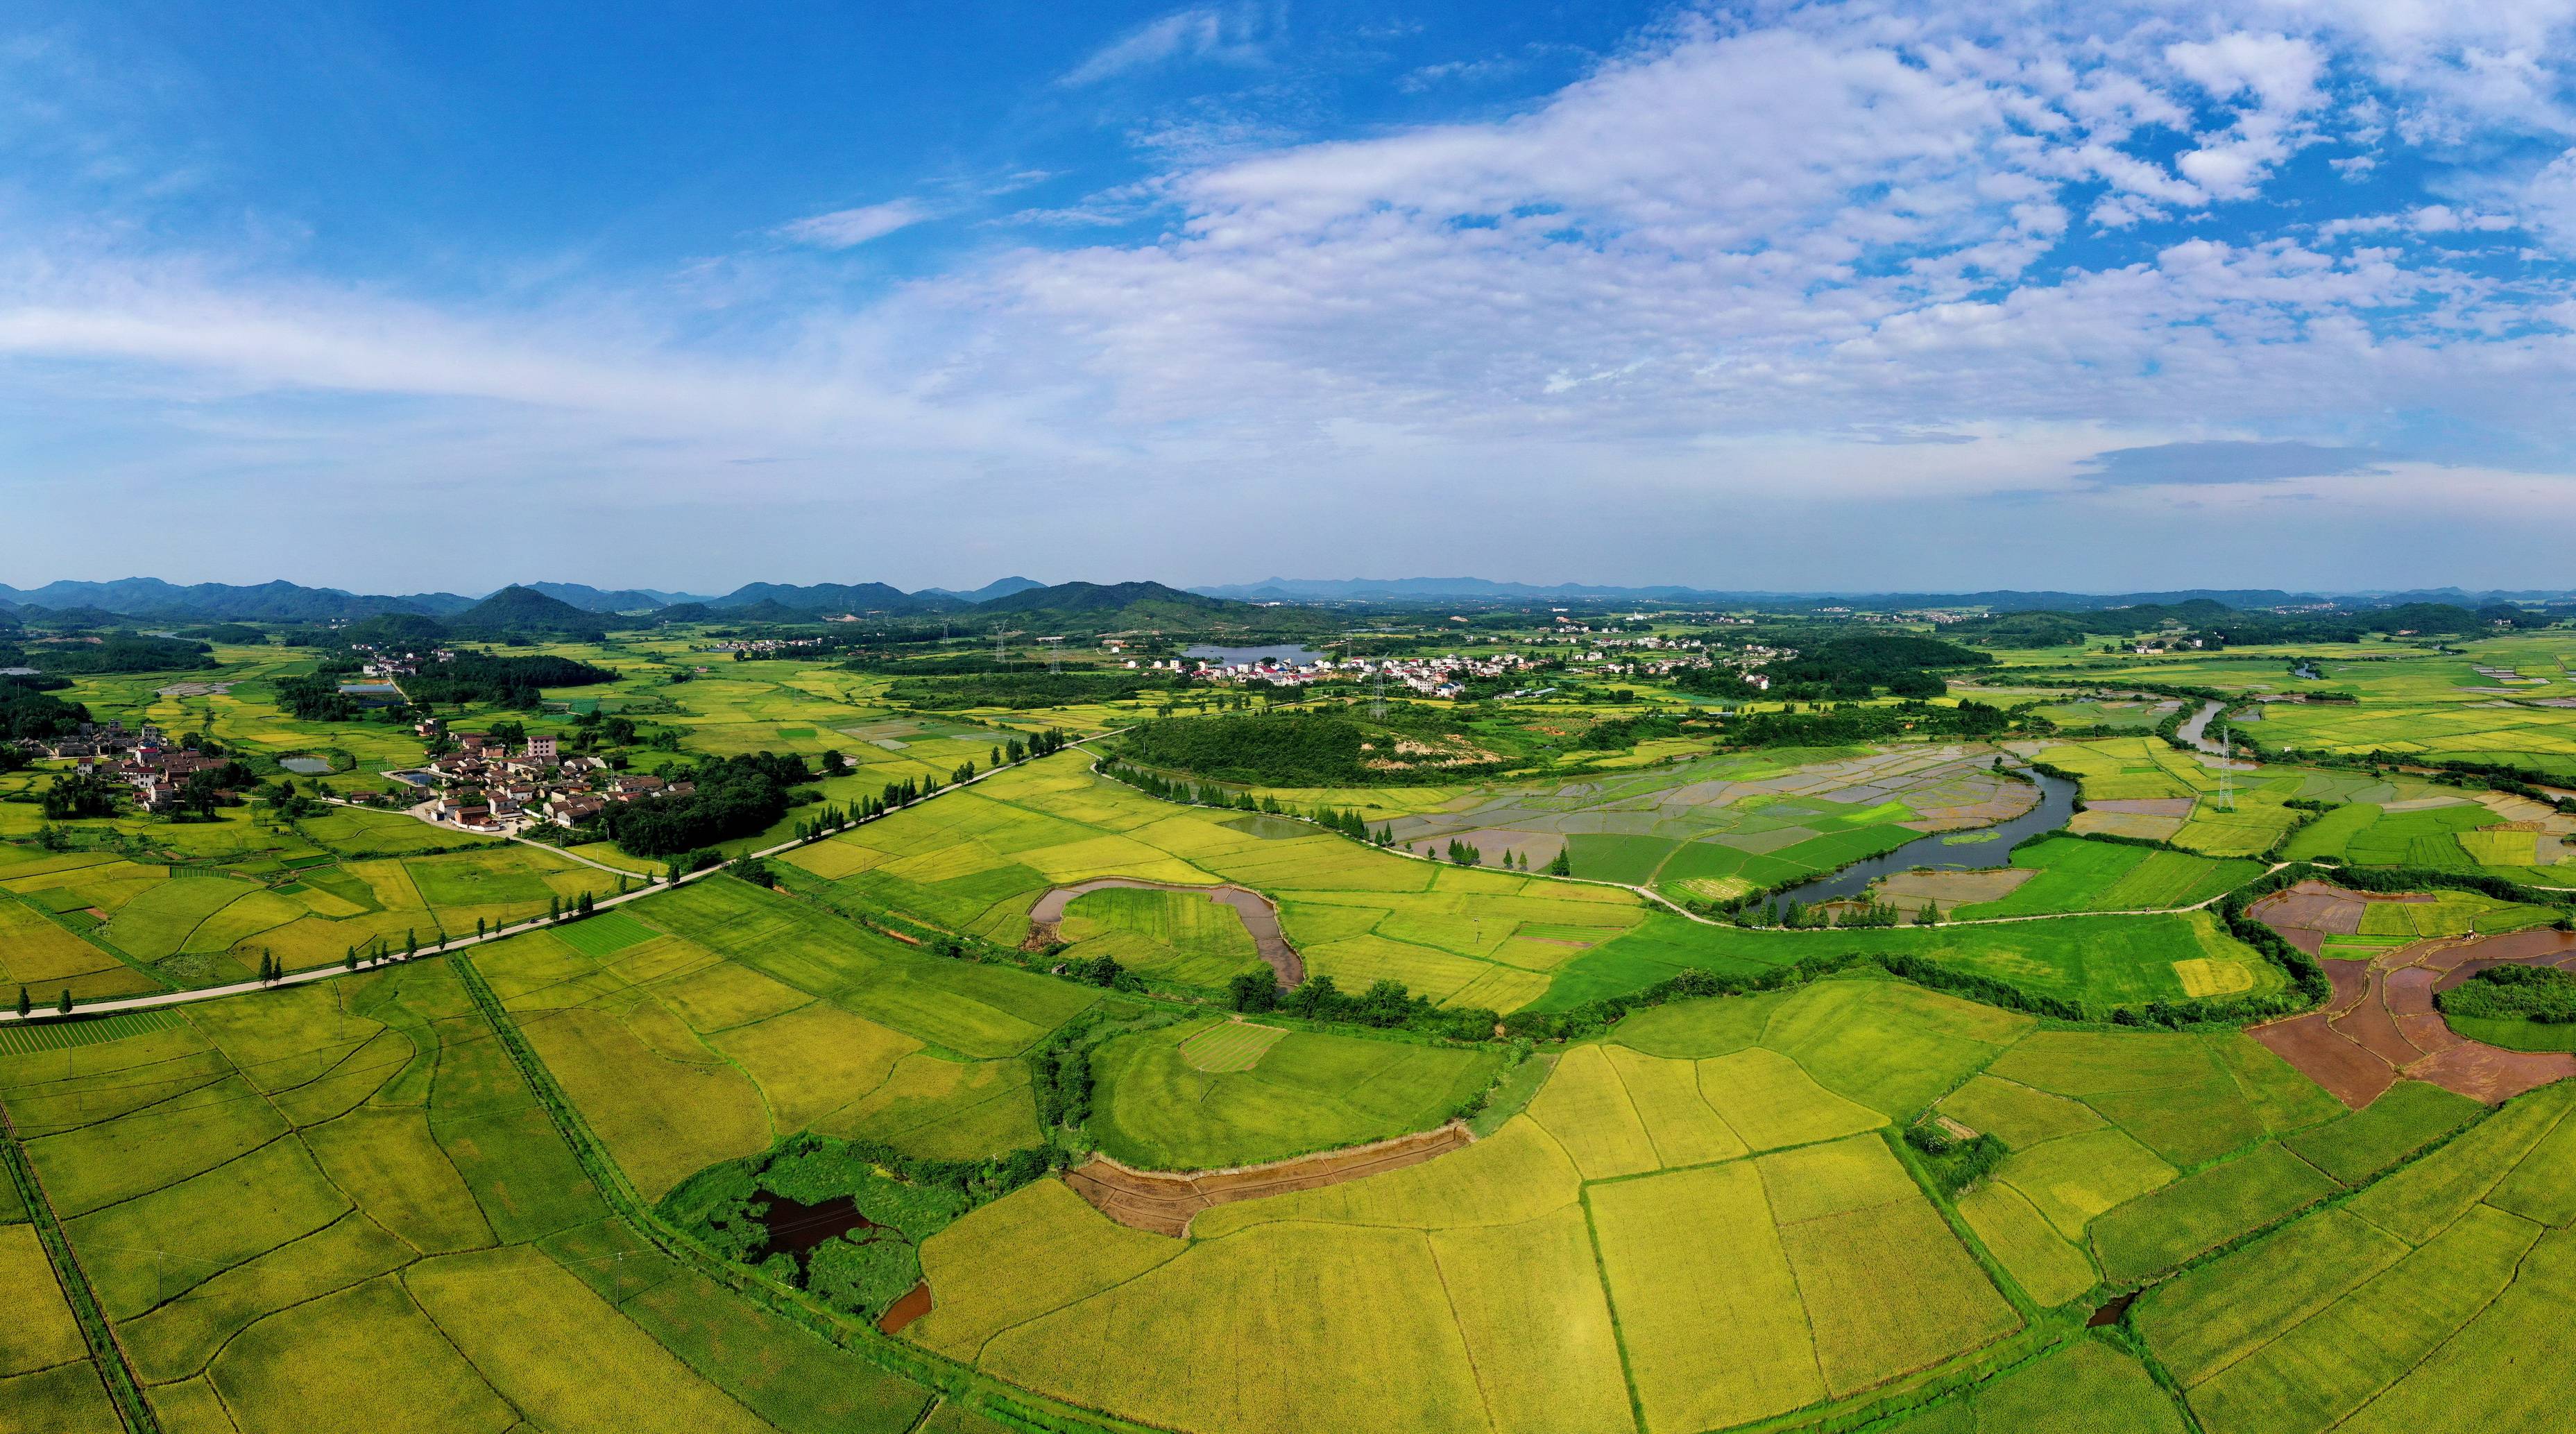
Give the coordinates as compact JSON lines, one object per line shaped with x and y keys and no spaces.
{"x":325,"y":973}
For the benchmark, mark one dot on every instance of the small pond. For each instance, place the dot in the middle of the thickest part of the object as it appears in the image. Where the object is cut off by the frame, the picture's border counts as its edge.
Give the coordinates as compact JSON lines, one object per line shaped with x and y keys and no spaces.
{"x":796,"y":1228}
{"x":306,"y":766}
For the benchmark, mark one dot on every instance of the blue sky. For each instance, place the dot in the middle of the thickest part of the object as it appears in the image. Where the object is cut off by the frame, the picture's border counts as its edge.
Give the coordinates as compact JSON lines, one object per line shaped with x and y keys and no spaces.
{"x":1769,"y":296}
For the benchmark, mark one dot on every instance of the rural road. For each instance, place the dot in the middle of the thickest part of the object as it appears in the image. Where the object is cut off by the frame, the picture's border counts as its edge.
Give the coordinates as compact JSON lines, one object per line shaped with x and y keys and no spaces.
{"x":325,"y":973}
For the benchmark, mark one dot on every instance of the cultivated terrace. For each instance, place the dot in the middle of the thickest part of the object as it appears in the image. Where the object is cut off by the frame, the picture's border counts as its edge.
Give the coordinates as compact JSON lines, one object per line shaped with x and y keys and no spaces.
{"x":1107,"y":1007}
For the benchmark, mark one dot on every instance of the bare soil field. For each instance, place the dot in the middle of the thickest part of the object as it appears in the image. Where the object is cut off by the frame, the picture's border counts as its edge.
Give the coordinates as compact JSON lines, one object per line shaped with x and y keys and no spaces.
{"x":1164,"y":1202}
{"x":2381,"y":1022}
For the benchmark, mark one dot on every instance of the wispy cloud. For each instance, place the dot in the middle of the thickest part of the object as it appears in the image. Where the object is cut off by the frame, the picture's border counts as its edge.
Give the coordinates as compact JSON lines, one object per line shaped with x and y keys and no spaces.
{"x":1228,"y":35}
{"x":2211,"y":462}
{"x":1742,"y":270}
{"x":849,"y":228}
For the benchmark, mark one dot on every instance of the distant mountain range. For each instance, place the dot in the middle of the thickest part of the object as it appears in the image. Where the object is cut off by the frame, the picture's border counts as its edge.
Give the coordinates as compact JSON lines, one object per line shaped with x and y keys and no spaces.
{"x":577,"y":607}
{"x":1443,"y":590}
{"x":153,"y":599}
{"x":578,"y":610}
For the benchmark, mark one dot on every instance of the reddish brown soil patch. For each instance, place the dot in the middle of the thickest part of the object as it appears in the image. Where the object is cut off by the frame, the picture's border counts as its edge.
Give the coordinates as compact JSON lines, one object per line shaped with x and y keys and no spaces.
{"x":2349,"y":1073}
{"x":2351,"y":981}
{"x":914,"y":1304}
{"x":2491,"y":1073}
{"x":2381,"y":1022}
{"x":2373,"y":1027}
{"x":1165,"y":1201}
{"x":2541,"y":947}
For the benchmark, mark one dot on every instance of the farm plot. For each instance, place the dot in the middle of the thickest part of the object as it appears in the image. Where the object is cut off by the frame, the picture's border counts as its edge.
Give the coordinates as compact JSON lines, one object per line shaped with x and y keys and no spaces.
{"x":1752,"y":1286}
{"x":2137,"y":1152}
{"x":757,"y":1017}
{"x":269,"y":1182}
{"x":1173,"y":936}
{"x":46,"y":1377}
{"x":2382,"y":1023}
{"x":2476,"y":730}
{"x":2089,"y":1388}
{"x":204,"y":923}
{"x":2141,"y":787}
{"x":2100,"y":961}
{"x":1469,"y":937}
{"x":978,"y":860}
{"x":2071,"y":874}
{"x":1205,"y":1094}
{"x":38,"y":955}
{"x":1721,"y":826}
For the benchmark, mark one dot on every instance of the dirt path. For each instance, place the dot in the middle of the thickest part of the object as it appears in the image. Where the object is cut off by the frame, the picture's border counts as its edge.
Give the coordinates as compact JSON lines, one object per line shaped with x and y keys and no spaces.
{"x":2381,"y":1024}
{"x":1165,"y":1201}
{"x":1260,"y":918}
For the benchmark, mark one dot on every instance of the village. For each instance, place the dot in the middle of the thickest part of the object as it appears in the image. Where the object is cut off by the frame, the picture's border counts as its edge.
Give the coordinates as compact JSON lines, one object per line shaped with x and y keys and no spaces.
{"x":1448,"y":676}
{"x":487,"y":784}
{"x":142,"y":758}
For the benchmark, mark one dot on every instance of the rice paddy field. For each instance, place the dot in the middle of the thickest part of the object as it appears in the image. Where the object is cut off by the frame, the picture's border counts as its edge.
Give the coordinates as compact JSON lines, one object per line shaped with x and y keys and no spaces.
{"x":100,"y":923}
{"x":1172,"y":936}
{"x":706,"y":1023}
{"x":1721,"y":826}
{"x":977,"y":860}
{"x":338,"y":1207}
{"x":2431,"y":1300}
{"x":2494,"y":699}
{"x":1209,"y":1093}
{"x":1703,"y":1221}
{"x":343,"y":1206}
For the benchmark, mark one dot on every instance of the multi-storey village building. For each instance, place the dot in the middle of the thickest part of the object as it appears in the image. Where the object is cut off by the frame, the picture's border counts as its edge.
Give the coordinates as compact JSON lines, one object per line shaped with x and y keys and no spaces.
{"x":487,"y":786}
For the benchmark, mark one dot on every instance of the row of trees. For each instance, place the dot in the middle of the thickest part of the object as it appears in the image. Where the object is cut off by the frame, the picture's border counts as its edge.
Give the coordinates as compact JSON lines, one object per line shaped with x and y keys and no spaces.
{"x":1386,"y":1005}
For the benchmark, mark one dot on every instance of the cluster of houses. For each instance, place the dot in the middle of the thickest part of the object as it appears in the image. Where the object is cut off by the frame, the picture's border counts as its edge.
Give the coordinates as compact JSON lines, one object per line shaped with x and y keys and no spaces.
{"x":140,"y":757}
{"x":98,"y":739}
{"x":157,"y":773}
{"x":772,"y":644}
{"x":487,"y":786}
{"x":384,"y":662}
{"x":1447,"y":676}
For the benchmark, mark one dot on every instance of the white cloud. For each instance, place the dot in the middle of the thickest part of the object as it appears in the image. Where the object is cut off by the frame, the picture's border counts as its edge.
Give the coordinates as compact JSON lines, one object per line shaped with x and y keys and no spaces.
{"x":2549,"y":198}
{"x":1227,"y":36}
{"x":849,"y":228}
{"x":1704,"y":286}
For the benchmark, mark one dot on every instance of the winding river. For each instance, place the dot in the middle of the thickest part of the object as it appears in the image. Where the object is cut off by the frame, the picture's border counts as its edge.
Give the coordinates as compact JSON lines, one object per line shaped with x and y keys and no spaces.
{"x":1933,"y":852}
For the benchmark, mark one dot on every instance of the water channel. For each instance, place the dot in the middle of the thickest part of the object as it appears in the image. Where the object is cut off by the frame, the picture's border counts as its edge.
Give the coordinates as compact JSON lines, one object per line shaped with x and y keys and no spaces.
{"x":1935,"y":851}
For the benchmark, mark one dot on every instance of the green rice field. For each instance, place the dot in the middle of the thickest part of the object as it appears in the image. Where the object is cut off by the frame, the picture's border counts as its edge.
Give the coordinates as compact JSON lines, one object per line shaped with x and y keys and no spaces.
{"x":429,"y":1193}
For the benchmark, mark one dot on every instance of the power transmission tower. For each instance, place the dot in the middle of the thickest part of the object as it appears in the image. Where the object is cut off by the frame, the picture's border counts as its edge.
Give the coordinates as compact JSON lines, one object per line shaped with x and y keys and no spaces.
{"x":1377,"y":694}
{"x":1055,"y":653}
